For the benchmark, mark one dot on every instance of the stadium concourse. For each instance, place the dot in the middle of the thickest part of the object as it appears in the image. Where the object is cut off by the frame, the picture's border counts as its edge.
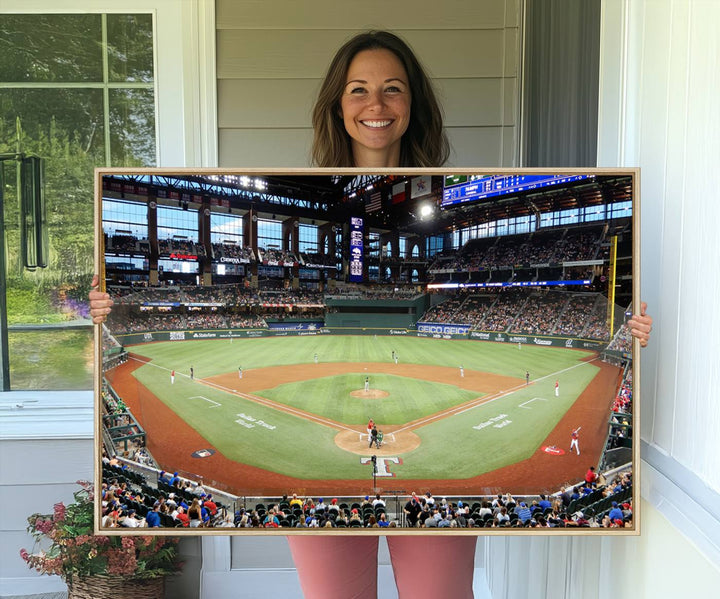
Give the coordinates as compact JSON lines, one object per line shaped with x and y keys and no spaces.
{"x":240,"y":258}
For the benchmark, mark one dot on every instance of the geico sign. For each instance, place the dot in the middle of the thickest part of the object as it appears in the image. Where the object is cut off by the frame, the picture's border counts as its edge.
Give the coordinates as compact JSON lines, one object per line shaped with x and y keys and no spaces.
{"x":230,"y":260}
{"x":442,"y":329}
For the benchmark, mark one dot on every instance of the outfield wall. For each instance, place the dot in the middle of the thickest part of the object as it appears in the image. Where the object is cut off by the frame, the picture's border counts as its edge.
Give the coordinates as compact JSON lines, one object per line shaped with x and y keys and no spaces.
{"x":432,"y":331}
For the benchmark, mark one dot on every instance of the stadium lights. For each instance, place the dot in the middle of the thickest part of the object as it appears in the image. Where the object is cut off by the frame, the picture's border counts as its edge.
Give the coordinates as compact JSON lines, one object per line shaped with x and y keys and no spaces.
{"x":426,"y":210}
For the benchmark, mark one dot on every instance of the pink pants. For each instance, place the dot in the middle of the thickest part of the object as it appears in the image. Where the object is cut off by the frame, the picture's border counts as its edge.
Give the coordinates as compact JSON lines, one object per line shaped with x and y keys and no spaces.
{"x":345,"y":567}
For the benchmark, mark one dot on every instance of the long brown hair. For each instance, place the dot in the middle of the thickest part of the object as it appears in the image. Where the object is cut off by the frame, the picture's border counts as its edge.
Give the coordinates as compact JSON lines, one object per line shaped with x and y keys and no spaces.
{"x":424,"y":144}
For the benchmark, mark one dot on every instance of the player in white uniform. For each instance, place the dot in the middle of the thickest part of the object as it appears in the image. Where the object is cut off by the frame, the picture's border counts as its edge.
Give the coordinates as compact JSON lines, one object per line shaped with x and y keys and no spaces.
{"x":574,"y":440}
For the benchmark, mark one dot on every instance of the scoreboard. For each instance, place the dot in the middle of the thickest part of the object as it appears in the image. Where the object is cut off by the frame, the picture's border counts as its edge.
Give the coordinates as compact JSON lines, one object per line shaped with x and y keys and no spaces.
{"x":460,"y":189}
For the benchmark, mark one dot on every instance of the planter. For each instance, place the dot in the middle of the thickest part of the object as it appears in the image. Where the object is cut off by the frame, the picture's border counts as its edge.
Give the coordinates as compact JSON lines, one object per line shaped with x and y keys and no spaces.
{"x":117,"y":587}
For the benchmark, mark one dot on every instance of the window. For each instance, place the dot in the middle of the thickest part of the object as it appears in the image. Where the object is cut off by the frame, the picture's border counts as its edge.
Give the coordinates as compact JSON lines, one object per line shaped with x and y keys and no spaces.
{"x":226,"y":229}
{"x":177,"y":223}
{"x":308,"y":238}
{"x":269,"y":234}
{"x":78,"y":90}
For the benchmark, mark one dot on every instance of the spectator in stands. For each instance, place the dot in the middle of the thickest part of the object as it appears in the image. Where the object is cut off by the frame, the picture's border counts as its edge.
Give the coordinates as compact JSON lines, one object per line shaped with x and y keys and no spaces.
{"x":591,"y":477}
{"x":523,"y":512}
{"x":195,"y":514}
{"x":153,"y":517}
{"x":131,"y":520}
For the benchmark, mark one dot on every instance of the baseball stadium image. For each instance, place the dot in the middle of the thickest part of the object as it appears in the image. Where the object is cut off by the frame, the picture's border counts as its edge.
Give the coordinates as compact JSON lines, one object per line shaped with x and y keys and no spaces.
{"x":290,"y":350}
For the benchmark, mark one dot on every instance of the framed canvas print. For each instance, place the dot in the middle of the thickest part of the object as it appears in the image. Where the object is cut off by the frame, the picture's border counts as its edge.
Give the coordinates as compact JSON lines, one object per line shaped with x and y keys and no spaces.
{"x":329,"y":351}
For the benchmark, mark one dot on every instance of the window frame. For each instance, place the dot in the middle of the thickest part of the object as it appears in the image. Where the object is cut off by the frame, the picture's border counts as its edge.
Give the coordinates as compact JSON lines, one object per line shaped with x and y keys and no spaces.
{"x":185,"y":97}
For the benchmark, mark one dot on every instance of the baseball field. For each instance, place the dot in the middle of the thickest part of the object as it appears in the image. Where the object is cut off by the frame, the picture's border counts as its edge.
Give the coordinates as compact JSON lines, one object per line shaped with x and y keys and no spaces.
{"x":296,"y":419}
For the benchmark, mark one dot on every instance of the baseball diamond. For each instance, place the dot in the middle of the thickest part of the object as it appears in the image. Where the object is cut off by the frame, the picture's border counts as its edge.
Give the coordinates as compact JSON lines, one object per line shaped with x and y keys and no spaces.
{"x":292,"y":423}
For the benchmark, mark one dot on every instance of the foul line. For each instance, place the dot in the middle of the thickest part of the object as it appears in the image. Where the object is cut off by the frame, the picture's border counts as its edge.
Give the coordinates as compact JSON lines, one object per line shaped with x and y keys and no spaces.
{"x":216,"y":404}
{"x":280,"y":407}
{"x":523,"y":404}
{"x":481,"y":401}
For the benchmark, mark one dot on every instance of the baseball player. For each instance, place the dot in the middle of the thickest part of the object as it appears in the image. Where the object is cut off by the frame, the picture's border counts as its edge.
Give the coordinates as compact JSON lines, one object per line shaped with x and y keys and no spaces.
{"x":574,"y":440}
{"x":527,"y":377}
{"x":367,"y":384}
{"x":192,"y":374}
{"x":239,"y":372}
{"x":395,"y":357}
{"x":172,"y":377}
{"x":462,"y":372}
{"x":557,"y":388}
{"x":370,"y":426}
{"x":373,"y":437}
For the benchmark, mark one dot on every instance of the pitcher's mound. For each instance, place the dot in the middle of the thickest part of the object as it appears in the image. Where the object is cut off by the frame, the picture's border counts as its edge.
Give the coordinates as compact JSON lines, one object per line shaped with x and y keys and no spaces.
{"x":370,"y":394}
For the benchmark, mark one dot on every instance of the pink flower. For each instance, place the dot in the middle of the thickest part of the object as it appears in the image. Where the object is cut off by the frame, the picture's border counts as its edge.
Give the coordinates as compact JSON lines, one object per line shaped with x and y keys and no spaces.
{"x":59,"y":512}
{"x":24,"y":555}
{"x":121,"y":562}
{"x":128,"y":543}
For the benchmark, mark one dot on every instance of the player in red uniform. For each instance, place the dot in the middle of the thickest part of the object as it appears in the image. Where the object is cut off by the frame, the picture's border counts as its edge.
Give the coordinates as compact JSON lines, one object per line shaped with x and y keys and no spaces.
{"x":574,"y":440}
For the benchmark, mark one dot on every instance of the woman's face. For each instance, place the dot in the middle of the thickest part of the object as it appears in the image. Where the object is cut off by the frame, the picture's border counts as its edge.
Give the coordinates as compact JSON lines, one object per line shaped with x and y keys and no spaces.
{"x":375,"y":107}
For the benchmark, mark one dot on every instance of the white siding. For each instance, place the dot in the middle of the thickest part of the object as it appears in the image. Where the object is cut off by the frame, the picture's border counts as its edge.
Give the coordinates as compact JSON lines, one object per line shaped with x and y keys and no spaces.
{"x":271,"y":58}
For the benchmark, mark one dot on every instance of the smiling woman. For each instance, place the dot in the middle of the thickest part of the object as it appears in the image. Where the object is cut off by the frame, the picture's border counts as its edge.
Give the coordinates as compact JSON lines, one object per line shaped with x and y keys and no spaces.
{"x":377,"y":107}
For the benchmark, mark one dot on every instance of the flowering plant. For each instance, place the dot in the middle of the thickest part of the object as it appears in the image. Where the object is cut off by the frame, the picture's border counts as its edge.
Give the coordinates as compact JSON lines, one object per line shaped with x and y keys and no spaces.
{"x":75,"y":552}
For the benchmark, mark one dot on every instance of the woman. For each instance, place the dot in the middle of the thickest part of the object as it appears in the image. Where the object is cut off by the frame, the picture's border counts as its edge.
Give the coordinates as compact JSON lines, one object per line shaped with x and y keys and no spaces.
{"x":195,"y":514}
{"x":376,"y":109}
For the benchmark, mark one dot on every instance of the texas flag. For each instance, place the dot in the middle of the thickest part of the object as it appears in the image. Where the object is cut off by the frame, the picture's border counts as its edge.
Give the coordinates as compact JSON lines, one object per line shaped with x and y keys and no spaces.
{"x":421,"y":186}
{"x":398,"y":193}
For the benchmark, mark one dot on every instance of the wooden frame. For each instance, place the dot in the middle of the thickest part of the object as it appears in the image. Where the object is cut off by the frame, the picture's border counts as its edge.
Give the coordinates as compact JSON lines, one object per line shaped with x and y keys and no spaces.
{"x":571,"y":351}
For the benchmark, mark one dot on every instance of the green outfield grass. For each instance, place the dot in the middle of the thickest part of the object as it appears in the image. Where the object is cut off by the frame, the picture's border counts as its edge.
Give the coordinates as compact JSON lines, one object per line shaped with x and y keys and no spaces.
{"x":463,"y":445}
{"x":210,"y":357}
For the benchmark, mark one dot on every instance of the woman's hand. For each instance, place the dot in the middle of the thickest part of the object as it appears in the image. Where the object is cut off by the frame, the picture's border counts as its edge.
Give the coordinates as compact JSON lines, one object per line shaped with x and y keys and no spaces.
{"x":99,"y":302}
{"x":641,"y":325}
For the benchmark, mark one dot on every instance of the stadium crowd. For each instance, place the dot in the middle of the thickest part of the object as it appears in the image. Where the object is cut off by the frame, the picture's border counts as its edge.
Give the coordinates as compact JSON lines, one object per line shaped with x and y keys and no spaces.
{"x":542,"y":247}
{"x":516,"y":312}
{"x":177,"y":502}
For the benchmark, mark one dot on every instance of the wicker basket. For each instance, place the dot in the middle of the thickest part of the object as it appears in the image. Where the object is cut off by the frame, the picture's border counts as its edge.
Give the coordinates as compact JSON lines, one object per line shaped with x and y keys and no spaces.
{"x":116,"y":587}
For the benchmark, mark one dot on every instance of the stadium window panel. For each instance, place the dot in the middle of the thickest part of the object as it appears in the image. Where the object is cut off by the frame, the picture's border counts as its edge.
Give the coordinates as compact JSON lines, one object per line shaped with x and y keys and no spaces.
{"x":308,"y":238}
{"x":501,"y":227}
{"x":176,"y":222}
{"x":416,"y":251}
{"x":226,"y":227}
{"x":434,"y":245}
{"x":126,"y":262}
{"x":81,"y":87}
{"x":125,"y":216}
{"x":402,"y":246}
{"x":620,"y":210}
{"x":547,"y":219}
{"x":457,"y":238}
{"x":373,"y":250}
{"x":569,"y":217}
{"x":592,"y":213}
{"x":178,"y":266}
{"x":269,"y":233}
